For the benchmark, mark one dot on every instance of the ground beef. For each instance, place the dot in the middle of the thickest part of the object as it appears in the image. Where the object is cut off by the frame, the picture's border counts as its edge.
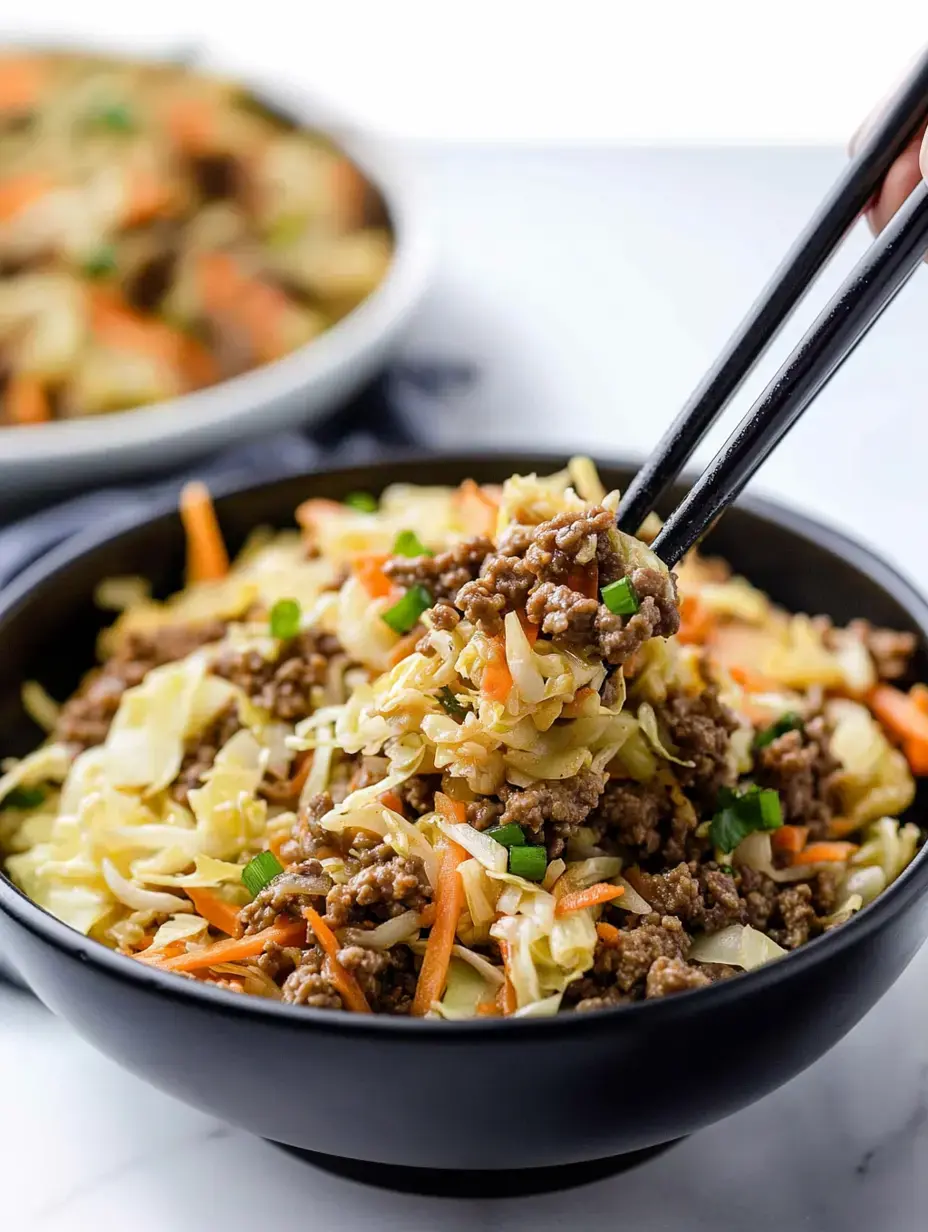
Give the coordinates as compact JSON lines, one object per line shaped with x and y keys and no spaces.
{"x":704,"y":898}
{"x":889,"y":649}
{"x":284,"y":686}
{"x":566,"y":542}
{"x":670,"y":975}
{"x":418,"y":793}
{"x":200,"y":752}
{"x":85,"y":719}
{"x":387,"y":977}
{"x":797,"y":917}
{"x":443,"y":574}
{"x":799,"y":766}
{"x":381,"y":884}
{"x":445,"y":616}
{"x":309,"y":985}
{"x":700,"y":727}
{"x":278,"y":961}
{"x":787,"y":914}
{"x":484,"y":813}
{"x":622,"y":967}
{"x":482,"y":606}
{"x":631,"y":814}
{"x":301,"y":885}
{"x":558,"y":805}
{"x":565,"y":615}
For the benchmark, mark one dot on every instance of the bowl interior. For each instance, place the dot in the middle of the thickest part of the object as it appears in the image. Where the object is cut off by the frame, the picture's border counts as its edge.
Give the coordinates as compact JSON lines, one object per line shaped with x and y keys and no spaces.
{"x":49,"y":622}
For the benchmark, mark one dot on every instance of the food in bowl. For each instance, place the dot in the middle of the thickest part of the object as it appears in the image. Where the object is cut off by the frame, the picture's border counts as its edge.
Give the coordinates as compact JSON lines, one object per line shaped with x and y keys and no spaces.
{"x":466,"y":752}
{"x":161,"y":231}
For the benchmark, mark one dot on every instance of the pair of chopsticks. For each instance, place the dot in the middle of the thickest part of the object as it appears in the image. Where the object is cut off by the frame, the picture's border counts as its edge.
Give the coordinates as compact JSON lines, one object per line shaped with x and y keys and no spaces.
{"x":882,"y":272}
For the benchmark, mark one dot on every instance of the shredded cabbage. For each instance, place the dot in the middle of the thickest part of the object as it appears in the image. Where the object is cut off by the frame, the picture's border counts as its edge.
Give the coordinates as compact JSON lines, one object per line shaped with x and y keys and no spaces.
{"x":738,"y":945}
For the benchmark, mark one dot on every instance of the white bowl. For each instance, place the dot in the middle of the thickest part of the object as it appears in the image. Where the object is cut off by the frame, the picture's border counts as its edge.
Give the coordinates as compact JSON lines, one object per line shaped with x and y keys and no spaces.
{"x":294,"y":390}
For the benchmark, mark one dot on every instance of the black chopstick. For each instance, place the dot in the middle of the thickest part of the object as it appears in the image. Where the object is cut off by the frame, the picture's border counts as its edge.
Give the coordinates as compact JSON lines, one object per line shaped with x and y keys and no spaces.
{"x":879,"y":275}
{"x":834,"y":217}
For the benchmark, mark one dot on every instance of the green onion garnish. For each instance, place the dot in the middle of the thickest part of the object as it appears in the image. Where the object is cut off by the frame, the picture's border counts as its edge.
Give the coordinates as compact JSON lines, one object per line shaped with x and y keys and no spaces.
{"x":364,"y":502}
{"x":404,"y":614}
{"x":451,"y":704}
{"x":785,"y":723}
{"x":115,"y":116}
{"x":740,"y":815}
{"x":511,"y":835}
{"x":101,"y":263}
{"x":528,"y":862}
{"x":260,"y":871}
{"x":285,"y":619}
{"x":408,"y":543}
{"x":23,"y":798}
{"x":620,"y":598}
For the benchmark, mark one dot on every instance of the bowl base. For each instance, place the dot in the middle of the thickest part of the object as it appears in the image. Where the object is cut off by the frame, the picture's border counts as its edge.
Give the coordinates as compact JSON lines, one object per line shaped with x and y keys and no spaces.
{"x":467,"y":1183}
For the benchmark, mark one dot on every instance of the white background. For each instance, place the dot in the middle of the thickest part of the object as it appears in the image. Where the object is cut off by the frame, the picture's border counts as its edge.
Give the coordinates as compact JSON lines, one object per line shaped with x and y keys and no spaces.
{"x":574,"y":70}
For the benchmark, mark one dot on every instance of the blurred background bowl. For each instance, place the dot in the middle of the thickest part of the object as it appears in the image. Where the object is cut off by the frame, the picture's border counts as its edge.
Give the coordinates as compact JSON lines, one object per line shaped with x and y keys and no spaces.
{"x":295,"y":390}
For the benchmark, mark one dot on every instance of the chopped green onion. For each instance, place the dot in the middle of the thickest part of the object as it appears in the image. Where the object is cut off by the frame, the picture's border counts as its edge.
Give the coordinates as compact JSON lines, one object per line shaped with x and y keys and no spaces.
{"x":260,"y":871}
{"x":528,"y":862}
{"x":740,"y":815}
{"x":510,"y":835}
{"x":408,"y":543}
{"x":285,"y":619}
{"x":364,"y":502}
{"x":451,"y":704}
{"x":404,"y":614}
{"x":727,"y":868}
{"x":115,"y":116}
{"x":23,"y":798}
{"x":101,"y":263}
{"x":620,"y":598}
{"x":785,"y":723}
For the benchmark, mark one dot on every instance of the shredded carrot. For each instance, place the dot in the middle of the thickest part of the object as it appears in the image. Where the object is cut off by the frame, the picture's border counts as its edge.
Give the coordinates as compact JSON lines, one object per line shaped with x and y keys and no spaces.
{"x":369,"y":572}
{"x":207,"y":558}
{"x":506,"y":997}
{"x":585,"y":580}
{"x":198,"y":364}
{"x":451,"y":810}
{"x":146,"y":198}
{"x":488,"y":1009}
{"x":191,"y":123}
{"x":116,"y":324}
{"x":156,"y":957}
{"x":291,"y":932}
{"x":496,"y":681}
{"x":345,"y":983}
{"x":905,"y":718}
{"x":594,"y":896}
{"x":477,"y":507}
{"x":350,"y":191}
{"x":404,"y":647}
{"x":530,"y":630}
{"x":695,"y":621}
{"x":749,"y":679}
{"x":25,"y":401}
{"x":841,"y":827}
{"x":449,"y":902}
{"x":214,"y":910}
{"x":427,"y":916}
{"x":789,"y":838}
{"x":392,"y":801}
{"x":919,"y":695}
{"x":22,"y":80}
{"x":274,"y":844}
{"x":256,"y":306}
{"x":21,"y":191}
{"x":607,"y":933}
{"x":825,"y":853}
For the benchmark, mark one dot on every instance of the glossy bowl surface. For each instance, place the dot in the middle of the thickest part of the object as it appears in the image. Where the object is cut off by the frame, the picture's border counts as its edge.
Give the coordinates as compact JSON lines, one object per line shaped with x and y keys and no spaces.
{"x":483,"y":1095}
{"x":297,"y":389}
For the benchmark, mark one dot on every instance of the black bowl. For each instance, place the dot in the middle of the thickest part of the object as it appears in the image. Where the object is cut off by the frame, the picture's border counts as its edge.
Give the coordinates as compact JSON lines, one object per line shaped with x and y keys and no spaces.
{"x":490,"y":1095}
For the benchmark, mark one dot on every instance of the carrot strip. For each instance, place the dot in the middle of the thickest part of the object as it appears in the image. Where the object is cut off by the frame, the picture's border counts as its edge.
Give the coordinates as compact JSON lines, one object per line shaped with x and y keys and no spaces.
{"x":369,"y":572}
{"x":254,"y":305}
{"x":22,"y":80}
{"x":789,"y":838}
{"x":530,"y":630}
{"x":496,"y":681}
{"x":19,"y":192}
{"x":488,"y":1009}
{"x":825,"y":853}
{"x":427,"y":916}
{"x":841,"y":827}
{"x":146,"y":198}
{"x":585,"y":580}
{"x":404,"y":647}
{"x":452,"y":810}
{"x":207,"y":558}
{"x":478,"y":509}
{"x":594,"y":896}
{"x":292,"y":932}
{"x":347,"y":986}
{"x":508,"y":1002}
{"x":25,"y":401}
{"x":607,"y":933}
{"x":904,"y":718}
{"x":392,"y":801}
{"x":695,"y":621}
{"x":214,"y":910}
{"x":156,"y":957}
{"x":449,"y":902}
{"x":191,"y":124}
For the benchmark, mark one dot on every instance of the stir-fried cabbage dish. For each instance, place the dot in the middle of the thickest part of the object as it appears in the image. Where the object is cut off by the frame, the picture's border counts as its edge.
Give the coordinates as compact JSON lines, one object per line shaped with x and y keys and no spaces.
{"x":461,"y":753}
{"x":161,"y":231}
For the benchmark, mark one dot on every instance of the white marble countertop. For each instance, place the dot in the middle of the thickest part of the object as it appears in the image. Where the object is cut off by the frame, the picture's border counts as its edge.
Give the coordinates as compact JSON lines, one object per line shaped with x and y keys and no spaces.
{"x":593,"y":288}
